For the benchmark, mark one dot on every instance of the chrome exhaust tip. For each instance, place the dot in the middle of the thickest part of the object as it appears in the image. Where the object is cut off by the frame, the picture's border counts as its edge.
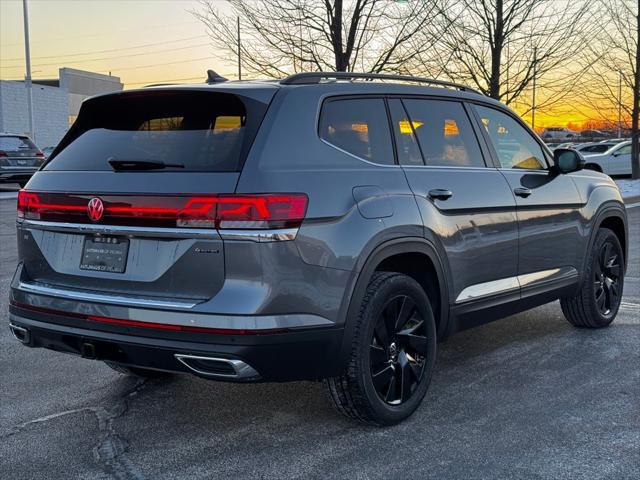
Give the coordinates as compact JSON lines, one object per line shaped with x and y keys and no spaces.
{"x":215,"y":367}
{"x":21,"y":334}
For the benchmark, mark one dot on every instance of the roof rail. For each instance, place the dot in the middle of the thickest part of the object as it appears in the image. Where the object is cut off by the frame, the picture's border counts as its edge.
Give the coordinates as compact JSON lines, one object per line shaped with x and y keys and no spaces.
{"x":316,"y":77}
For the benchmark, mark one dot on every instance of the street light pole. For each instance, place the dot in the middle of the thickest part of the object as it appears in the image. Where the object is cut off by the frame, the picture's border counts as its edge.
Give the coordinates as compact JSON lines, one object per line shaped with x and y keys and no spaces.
{"x":27,"y":78}
{"x":533,"y":100}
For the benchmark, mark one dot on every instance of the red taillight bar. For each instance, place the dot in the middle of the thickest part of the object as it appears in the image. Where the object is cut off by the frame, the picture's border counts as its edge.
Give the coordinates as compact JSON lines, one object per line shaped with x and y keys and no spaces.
{"x":225,"y":211}
{"x":157,"y":326}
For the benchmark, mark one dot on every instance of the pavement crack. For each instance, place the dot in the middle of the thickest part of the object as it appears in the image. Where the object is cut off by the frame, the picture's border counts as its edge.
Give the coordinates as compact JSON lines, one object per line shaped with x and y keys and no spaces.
{"x":111,"y":448}
{"x":110,"y":451}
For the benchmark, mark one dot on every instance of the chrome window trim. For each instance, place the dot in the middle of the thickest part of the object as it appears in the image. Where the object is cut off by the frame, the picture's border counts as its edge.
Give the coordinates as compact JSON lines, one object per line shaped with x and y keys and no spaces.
{"x":102,"y":298}
{"x":357,"y":157}
{"x":273,"y":235}
{"x":450,"y":167}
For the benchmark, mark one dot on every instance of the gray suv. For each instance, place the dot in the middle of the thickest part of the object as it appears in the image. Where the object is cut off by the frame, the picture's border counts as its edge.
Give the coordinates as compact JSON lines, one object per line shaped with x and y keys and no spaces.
{"x":317,"y":227}
{"x":19,"y":158}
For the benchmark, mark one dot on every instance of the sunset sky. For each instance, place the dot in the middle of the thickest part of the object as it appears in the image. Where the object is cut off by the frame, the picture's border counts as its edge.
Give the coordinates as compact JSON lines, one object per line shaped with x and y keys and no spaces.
{"x":141,"y":41}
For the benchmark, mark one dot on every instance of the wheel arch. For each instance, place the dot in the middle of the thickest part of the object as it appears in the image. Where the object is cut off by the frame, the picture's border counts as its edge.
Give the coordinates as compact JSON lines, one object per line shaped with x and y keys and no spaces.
{"x":612,"y":216}
{"x":386,"y":255}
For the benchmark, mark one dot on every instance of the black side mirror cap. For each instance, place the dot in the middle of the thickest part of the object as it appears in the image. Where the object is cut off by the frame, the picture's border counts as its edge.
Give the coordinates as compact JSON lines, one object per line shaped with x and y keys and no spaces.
{"x":567,"y":160}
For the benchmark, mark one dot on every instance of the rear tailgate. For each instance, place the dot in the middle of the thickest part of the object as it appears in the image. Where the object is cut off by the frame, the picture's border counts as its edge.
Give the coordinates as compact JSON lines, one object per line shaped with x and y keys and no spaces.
{"x":19,"y":152}
{"x":89,"y":226}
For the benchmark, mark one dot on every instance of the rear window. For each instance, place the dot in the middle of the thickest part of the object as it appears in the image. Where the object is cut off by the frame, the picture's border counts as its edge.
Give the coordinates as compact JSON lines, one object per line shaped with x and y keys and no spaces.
{"x":187,"y":131}
{"x":16,"y":144}
{"x":359,"y":127}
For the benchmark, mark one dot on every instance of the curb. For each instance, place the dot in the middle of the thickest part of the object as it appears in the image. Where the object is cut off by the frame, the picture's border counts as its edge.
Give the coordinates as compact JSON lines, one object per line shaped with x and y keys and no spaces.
{"x":631,"y":200}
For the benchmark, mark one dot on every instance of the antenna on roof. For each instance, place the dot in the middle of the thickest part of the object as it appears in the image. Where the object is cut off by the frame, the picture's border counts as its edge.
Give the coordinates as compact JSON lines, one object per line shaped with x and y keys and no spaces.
{"x":213,"y":77}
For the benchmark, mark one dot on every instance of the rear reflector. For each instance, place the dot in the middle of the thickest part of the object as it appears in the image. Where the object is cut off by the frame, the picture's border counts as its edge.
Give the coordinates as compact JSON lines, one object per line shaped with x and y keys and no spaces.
{"x":157,"y":326}
{"x":263,"y":211}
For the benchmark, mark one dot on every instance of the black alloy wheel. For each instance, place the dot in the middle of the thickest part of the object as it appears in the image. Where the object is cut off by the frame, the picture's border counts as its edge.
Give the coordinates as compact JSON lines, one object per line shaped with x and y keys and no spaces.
{"x":607,"y":271}
{"x":397,"y":350}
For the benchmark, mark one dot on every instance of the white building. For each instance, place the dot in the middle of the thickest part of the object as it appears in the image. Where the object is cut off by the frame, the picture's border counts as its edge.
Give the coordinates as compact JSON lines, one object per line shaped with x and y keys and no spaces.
{"x":56,"y":103}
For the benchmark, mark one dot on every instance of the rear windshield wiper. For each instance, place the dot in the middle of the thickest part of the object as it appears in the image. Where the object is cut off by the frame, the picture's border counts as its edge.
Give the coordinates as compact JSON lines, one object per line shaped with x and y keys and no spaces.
{"x":141,"y":164}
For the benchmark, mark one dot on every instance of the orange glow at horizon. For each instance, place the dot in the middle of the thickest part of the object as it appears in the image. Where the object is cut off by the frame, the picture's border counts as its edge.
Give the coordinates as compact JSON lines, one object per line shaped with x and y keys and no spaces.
{"x":145,"y":42}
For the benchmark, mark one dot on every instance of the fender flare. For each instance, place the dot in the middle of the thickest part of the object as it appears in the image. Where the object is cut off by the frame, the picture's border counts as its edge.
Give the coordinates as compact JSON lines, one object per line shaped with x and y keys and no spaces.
{"x":607,"y":210}
{"x":383,"y":251}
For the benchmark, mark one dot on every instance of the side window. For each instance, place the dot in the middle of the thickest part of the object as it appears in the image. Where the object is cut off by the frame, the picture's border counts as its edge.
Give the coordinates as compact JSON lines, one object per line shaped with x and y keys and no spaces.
{"x":406,"y":143}
{"x":516,"y":148}
{"x":358,"y":126}
{"x":444,"y":133}
{"x":626,"y":150}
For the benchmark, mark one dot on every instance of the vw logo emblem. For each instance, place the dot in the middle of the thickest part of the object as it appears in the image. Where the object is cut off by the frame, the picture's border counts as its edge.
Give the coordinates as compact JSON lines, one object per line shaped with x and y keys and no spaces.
{"x":95,"y":209}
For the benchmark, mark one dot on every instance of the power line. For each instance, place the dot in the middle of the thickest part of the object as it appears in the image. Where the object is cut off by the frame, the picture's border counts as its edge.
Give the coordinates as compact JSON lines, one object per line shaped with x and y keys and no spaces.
{"x":91,"y":60}
{"x":116,"y":69}
{"x":133,"y":47}
{"x":102,"y":34}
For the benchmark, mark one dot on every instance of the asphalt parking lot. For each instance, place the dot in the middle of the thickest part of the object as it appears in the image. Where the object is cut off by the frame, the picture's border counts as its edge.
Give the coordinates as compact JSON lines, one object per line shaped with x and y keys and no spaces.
{"x":525,"y":397}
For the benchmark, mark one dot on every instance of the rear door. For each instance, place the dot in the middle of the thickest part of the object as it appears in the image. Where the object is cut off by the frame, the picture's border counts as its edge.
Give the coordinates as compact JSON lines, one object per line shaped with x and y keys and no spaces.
{"x":126,"y":205}
{"x":619,"y":162}
{"x":548,"y":204}
{"x":465,"y":204}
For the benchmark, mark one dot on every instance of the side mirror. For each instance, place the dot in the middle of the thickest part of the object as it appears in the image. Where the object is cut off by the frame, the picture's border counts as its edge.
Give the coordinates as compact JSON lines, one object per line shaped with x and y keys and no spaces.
{"x":566,"y":160}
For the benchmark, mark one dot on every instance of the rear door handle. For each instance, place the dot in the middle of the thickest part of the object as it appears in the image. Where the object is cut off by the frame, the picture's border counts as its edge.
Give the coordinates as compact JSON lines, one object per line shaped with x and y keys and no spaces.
{"x":440,"y":194}
{"x":523,"y":192}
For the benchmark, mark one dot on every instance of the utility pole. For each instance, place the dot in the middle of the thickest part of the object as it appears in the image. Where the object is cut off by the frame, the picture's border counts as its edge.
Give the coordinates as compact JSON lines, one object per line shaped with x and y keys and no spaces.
{"x":239,"y":53}
{"x":27,"y":77}
{"x":533,"y":100}
{"x":620,"y":104}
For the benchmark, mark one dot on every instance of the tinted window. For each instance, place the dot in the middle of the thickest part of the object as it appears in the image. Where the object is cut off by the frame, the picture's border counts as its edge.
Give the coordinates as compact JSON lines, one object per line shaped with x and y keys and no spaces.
{"x":406,"y":143}
{"x":596,"y":148}
{"x":515,"y":146}
{"x":201,"y":131}
{"x":358,"y":126}
{"x":16,"y":144}
{"x":444,"y":133}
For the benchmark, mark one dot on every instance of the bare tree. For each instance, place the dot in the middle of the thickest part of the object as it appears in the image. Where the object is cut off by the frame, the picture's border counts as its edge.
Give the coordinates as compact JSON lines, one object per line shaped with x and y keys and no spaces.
{"x":286,"y":36}
{"x":619,"y":49}
{"x":501,"y":46}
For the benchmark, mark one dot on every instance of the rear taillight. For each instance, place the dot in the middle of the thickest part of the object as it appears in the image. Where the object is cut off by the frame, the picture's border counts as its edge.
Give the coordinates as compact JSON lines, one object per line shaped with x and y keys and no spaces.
{"x":263,"y":211}
{"x":40,"y":154}
{"x":3,"y":154}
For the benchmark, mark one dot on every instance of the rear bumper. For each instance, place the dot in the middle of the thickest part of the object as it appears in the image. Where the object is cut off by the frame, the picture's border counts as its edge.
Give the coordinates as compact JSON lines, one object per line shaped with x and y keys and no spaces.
{"x":297,"y":355}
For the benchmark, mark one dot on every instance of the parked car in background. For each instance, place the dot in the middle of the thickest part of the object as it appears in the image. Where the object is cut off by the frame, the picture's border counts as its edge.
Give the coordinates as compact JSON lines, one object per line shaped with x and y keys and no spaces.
{"x":566,"y":145}
{"x":592,"y":134}
{"x":19,"y":158}
{"x":616,"y":160}
{"x":593,"y":148}
{"x":47,"y":151}
{"x":558,"y":133}
{"x":318,"y":227}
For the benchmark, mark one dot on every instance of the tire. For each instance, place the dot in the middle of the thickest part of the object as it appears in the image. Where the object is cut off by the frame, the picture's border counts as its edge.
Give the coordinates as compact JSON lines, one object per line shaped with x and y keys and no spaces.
{"x":136,"y":371}
{"x":597,"y":302}
{"x":394,"y":341}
